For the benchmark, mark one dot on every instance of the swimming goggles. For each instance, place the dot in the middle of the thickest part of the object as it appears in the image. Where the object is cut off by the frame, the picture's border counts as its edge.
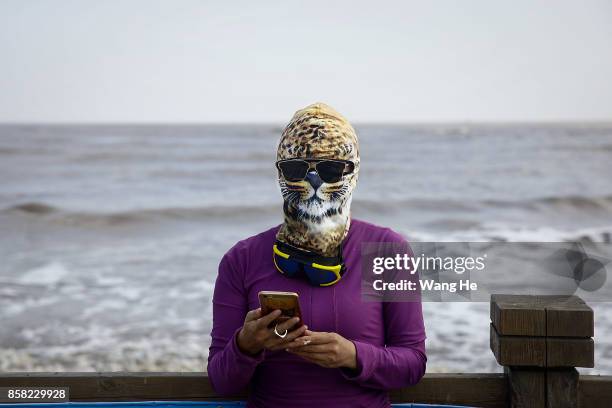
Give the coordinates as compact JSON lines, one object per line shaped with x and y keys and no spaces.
{"x":294,"y":262}
{"x":330,"y":170}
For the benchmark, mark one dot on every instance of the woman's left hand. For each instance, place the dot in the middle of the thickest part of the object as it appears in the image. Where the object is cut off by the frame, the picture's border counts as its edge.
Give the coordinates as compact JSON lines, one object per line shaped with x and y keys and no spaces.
{"x":329,"y":350}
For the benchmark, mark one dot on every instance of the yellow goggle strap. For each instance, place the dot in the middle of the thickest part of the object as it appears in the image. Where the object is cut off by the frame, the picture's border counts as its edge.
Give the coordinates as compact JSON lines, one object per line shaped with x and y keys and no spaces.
{"x":279,"y":252}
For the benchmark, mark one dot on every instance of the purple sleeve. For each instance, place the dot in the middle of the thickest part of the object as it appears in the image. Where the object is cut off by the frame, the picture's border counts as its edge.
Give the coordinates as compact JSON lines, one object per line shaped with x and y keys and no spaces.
{"x":402,"y":361}
{"x":229,"y":369}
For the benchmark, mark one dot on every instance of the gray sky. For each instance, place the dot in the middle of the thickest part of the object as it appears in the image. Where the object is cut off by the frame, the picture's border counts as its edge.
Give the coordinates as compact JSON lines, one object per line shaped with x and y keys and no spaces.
{"x":259,"y":61}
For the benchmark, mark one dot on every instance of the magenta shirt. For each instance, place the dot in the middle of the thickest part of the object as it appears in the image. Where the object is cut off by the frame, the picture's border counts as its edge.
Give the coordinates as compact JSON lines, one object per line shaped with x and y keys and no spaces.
{"x":389,"y":336}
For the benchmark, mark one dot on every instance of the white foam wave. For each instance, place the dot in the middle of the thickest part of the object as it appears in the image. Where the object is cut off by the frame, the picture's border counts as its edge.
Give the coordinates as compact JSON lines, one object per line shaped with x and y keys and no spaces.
{"x":48,"y":274}
{"x":492,"y":232}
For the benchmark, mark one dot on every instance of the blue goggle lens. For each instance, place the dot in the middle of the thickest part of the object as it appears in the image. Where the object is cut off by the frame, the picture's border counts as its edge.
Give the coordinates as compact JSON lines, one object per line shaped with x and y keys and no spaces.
{"x":319,"y":276}
{"x":288,"y":266}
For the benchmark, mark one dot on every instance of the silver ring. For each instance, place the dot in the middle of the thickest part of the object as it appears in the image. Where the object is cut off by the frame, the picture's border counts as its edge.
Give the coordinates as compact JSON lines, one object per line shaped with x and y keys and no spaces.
{"x":282,"y":336}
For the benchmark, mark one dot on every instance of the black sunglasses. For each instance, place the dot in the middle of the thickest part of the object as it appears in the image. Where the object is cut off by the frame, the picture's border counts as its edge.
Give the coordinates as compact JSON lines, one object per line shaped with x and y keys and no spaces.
{"x":330,"y":170}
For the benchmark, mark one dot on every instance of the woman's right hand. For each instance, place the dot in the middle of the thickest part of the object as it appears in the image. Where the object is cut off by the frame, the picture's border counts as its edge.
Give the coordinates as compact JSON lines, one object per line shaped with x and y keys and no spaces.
{"x":256,"y":336}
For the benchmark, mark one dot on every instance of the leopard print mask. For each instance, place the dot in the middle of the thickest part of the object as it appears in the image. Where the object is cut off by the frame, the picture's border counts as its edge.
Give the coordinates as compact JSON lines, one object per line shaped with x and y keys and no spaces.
{"x":317,"y":217}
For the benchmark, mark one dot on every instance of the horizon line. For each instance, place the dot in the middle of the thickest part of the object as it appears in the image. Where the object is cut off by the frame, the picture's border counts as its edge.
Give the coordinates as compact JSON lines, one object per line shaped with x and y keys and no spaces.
{"x":591,"y":122}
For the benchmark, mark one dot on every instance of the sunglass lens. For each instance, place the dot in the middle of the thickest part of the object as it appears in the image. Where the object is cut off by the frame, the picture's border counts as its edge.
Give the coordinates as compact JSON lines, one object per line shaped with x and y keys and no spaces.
{"x":294,"y":170}
{"x":288,"y":266}
{"x":330,"y":171}
{"x":319,"y":276}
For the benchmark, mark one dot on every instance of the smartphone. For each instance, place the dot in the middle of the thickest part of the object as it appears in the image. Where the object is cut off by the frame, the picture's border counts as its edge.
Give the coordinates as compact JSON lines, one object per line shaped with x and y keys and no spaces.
{"x":287,"y":302}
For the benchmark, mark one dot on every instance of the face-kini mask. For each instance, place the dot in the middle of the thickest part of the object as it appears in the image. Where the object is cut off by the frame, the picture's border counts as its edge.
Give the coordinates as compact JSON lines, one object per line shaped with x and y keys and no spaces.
{"x":318,"y":165}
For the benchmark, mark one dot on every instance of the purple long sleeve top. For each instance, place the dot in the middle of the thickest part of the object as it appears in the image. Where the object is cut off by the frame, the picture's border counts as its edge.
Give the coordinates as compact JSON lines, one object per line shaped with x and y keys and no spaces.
{"x":389,"y":337}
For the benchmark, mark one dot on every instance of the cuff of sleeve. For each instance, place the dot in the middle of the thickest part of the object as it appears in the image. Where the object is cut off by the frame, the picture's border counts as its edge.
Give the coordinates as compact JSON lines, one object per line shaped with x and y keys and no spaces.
{"x":242,"y":357}
{"x":365,"y":364}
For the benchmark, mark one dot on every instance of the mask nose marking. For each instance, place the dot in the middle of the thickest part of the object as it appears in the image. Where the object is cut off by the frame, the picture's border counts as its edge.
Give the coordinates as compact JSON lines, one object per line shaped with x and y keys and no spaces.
{"x":313,"y":178}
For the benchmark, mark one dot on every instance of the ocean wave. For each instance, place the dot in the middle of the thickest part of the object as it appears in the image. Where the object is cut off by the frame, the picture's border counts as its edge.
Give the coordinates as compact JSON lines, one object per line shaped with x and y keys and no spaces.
{"x":414,"y":203}
{"x":181,"y":156}
{"x":37,"y":209}
{"x":32,"y":208}
{"x":48,"y":274}
{"x":577,"y":201}
{"x":490,"y":233}
{"x":561,"y":202}
{"x":360,"y":205}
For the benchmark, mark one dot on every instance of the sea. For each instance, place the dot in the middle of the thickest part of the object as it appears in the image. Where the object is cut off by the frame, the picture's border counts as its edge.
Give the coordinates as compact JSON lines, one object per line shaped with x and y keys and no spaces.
{"x":110,"y":235}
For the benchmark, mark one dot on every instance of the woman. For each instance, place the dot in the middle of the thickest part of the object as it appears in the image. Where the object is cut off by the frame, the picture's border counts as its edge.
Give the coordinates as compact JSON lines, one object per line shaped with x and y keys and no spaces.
{"x":347,"y":353}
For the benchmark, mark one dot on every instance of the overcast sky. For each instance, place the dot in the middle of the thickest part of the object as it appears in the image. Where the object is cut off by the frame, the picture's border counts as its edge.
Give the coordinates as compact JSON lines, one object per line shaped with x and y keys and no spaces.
{"x":258,"y":61}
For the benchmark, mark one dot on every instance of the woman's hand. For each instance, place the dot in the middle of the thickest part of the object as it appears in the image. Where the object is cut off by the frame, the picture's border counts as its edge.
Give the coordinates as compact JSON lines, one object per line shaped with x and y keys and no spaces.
{"x":256,"y":336}
{"x":325,"y":349}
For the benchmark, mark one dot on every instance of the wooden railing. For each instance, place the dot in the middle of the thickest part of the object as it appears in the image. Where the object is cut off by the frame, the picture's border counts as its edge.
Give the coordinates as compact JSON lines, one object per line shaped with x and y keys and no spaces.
{"x":487,"y":390}
{"x":538,"y":340}
{"x":476,"y":390}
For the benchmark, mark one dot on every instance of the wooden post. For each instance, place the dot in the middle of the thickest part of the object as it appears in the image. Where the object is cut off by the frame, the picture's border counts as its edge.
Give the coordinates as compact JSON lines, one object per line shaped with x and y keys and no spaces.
{"x":540,"y":340}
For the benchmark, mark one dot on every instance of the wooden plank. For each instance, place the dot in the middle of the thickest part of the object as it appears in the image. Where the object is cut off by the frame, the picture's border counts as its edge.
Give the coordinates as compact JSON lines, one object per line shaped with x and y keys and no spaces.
{"x":561,"y":388}
{"x":595,"y":391}
{"x":122,"y":386}
{"x":570,"y":352}
{"x":542,"y":351}
{"x":518,"y":315}
{"x":482,"y":390}
{"x":527,"y":387}
{"x":473,"y":390}
{"x":559,"y":316}
{"x":518,"y":350}
{"x":569,"y":317}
